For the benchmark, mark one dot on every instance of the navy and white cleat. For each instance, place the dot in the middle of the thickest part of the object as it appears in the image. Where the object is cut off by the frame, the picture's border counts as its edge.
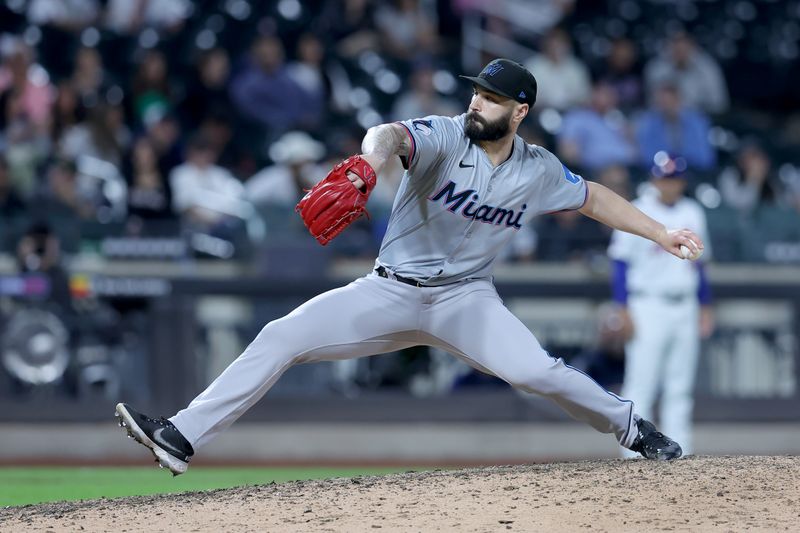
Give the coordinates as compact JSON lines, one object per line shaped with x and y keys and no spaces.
{"x":168,"y":446}
{"x":653,"y":444}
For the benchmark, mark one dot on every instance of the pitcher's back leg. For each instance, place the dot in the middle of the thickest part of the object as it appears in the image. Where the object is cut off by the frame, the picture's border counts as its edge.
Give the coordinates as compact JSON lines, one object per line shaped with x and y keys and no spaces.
{"x":369,"y":316}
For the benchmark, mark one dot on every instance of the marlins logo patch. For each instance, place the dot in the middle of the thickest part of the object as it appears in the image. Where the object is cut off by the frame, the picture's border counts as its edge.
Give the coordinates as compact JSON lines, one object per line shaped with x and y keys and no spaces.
{"x":423,"y":126}
{"x":569,"y":176}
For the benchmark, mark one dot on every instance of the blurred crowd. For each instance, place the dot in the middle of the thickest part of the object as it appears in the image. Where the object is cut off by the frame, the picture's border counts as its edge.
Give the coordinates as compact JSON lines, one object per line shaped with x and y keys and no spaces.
{"x":205,"y":121}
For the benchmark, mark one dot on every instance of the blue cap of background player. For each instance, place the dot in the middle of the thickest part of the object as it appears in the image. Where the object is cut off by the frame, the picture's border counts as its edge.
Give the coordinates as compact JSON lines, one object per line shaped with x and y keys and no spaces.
{"x":507,"y":78}
{"x":668,"y":165}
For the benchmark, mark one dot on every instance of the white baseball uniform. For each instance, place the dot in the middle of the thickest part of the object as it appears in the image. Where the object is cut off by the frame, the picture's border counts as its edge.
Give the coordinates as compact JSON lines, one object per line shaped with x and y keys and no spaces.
{"x":452,"y":215}
{"x":662,"y":299}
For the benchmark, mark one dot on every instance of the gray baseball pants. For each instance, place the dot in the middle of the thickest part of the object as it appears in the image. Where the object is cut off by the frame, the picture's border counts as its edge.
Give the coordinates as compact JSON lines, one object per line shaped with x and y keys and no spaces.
{"x":374,"y":315}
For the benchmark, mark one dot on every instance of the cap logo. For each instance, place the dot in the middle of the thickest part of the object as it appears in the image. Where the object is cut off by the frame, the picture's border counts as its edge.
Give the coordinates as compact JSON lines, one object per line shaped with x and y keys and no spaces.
{"x":521,"y":94}
{"x":493,"y":68}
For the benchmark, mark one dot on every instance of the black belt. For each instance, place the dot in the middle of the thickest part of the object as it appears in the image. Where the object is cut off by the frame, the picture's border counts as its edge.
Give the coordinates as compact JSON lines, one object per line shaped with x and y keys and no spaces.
{"x":382,"y":272}
{"x":670,"y":297}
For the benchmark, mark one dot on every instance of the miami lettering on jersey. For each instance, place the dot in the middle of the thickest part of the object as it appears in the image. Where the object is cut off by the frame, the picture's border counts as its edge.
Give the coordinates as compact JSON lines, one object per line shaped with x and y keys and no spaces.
{"x":488,"y":214}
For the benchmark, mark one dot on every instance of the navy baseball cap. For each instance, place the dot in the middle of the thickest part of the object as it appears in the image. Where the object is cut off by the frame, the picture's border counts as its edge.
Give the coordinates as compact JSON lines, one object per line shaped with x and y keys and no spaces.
{"x":507,"y":78}
{"x":668,"y":165}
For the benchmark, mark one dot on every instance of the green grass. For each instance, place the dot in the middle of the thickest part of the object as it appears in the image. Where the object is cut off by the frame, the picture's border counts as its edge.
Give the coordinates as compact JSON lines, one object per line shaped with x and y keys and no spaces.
{"x":22,"y":485}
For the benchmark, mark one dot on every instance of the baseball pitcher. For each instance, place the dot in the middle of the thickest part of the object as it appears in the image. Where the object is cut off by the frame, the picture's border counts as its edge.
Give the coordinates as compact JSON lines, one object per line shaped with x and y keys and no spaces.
{"x":470,"y":184}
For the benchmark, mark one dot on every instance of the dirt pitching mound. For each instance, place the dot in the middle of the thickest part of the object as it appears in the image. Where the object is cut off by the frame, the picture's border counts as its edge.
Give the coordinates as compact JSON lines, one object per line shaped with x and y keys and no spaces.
{"x":692,"y":494}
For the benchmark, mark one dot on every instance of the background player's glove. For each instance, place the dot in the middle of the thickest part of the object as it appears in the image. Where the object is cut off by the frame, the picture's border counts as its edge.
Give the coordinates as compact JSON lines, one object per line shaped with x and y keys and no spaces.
{"x":334,"y":203}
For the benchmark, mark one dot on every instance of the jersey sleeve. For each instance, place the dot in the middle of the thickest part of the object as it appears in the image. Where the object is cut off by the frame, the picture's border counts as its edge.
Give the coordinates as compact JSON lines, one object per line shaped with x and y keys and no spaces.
{"x":562,"y":190}
{"x":431,"y":138}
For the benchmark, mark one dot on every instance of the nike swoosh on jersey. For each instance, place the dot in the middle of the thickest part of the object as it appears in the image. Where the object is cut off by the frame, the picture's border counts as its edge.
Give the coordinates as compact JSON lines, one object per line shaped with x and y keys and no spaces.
{"x":164,"y":444}
{"x":462,"y":165}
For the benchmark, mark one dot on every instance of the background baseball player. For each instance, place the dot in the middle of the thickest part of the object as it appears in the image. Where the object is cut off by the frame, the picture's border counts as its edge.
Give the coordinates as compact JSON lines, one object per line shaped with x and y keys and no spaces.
{"x":471,"y":183}
{"x":666,"y":304}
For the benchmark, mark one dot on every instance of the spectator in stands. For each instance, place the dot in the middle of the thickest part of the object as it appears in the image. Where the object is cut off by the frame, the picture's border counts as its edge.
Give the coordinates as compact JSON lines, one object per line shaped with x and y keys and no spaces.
{"x":66,"y":110}
{"x":207,"y":92}
{"x":164,"y":133}
{"x":622,"y":71}
{"x":21,"y":77}
{"x":308,"y":71}
{"x":88,"y":76}
{"x":103,"y":135}
{"x":149,"y":197}
{"x":563,"y":80}
{"x":60,"y":202}
{"x":151,"y":85}
{"x":25,"y":113}
{"x":22,"y":143}
{"x":617,"y":178}
{"x":568,"y":236}
{"x":264,"y":92}
{"x":218,"y":130}
{"x":205,"y":195}
{"x":11,"y":204}
{"x":406,"y":29}
{"x":748,"y":183}
{"x":596,"y":136}
{"x":296,"y":155}
{"x":670,"y":126}
{"x":350,"y":24}
{"x":422,"y":99}
{"x":698,"y":76}
{"x":60,"y":23}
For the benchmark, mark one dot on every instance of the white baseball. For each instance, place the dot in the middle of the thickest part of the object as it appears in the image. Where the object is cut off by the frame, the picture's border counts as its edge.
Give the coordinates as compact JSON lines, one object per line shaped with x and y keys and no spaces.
{"x":687,"y":253}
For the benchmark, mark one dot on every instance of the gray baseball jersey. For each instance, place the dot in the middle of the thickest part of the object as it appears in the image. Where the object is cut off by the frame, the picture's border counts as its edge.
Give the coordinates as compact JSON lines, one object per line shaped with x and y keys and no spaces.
{"x":455,"y":211}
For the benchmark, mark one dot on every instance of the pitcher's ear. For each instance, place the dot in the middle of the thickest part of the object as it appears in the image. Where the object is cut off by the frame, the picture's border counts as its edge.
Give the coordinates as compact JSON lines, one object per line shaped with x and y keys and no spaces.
{"x":522,"y":111}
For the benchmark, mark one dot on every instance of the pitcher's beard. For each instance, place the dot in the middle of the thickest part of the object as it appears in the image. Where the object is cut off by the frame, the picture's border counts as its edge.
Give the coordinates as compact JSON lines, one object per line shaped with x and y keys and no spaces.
{"x":479,"y":129}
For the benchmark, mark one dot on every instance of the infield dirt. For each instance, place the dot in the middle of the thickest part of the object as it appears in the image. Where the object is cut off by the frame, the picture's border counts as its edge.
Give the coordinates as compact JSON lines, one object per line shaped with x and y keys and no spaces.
{"x":691,"y":494}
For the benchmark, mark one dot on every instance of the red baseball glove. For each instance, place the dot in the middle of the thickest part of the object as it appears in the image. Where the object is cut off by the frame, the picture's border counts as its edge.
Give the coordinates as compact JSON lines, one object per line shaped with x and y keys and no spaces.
{"x":334,"y":203}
